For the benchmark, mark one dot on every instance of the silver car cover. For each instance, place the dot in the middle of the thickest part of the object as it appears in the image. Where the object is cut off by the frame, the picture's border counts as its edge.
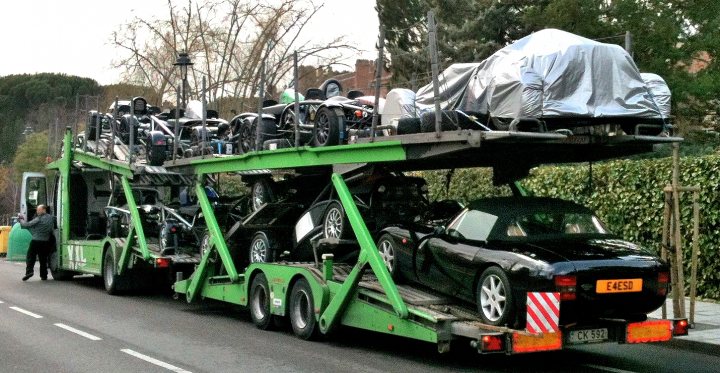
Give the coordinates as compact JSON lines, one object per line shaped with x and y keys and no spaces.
{"x":399,"y":103}
{"x":548,"y":74}
{"x":660,"y":92}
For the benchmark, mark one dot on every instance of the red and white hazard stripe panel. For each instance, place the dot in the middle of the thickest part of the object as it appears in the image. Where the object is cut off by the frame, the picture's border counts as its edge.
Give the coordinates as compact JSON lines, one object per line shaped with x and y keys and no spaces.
{"x":543,"y":312}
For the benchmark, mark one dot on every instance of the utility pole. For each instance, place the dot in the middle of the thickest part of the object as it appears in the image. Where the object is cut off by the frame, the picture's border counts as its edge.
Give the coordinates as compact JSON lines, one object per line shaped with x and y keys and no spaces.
{"x":378,"y":78}
{"x":432,"y":36}
{"x":628,"y":43}
{"x":296,"y":106}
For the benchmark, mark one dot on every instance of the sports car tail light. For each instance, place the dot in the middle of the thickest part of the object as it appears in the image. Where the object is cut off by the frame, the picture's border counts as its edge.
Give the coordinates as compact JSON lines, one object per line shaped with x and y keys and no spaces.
{"x":680,"y":327}
{"x":663,"y":280}
{"x":649,"y":331}
{"x":567,"y":287}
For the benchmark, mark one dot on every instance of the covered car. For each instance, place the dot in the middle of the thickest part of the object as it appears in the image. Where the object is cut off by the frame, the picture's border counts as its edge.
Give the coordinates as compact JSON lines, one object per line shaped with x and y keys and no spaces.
{"x":551,"y":75}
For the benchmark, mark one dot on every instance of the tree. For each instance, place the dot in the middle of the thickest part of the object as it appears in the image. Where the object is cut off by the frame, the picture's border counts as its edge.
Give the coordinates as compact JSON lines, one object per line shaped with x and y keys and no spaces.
{"x":678,"y":39}
{"x":27,"y":100}
{"x":228,"y":41}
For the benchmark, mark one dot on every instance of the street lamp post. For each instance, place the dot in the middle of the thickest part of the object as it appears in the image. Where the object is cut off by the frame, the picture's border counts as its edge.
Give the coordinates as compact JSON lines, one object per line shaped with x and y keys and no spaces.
{"x":183,"y":61}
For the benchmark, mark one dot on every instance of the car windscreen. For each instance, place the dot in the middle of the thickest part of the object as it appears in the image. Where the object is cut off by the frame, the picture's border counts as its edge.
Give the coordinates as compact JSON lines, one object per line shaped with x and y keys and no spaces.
{"x":555,"y":223}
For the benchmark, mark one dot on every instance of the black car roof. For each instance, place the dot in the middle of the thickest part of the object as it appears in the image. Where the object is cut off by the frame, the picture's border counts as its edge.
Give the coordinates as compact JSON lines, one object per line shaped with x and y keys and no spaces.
{"x":514,"y":206}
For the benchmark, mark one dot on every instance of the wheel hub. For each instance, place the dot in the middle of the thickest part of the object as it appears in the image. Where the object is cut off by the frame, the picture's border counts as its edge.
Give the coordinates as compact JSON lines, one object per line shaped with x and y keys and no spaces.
{"x":492,"y":298}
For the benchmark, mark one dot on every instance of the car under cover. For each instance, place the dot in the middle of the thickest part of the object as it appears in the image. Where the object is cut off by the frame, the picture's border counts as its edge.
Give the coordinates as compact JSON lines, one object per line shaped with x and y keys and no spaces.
{"x":548,"y":74}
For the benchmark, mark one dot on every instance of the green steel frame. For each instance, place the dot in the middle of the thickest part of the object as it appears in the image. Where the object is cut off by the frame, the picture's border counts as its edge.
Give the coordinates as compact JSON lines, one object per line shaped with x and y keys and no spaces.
{"x":136,"y":236}
{"x":335,"y":301}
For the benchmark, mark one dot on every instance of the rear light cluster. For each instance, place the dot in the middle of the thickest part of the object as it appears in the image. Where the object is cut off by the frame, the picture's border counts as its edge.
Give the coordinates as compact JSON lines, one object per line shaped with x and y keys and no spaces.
{"x":566,"y":285}
{"x":663,"y":281}
{"x":680,"y":327}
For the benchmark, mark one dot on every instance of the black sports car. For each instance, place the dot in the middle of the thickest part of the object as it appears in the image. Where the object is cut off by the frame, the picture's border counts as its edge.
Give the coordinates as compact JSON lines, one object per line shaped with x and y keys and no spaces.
{"x":496,"y":250}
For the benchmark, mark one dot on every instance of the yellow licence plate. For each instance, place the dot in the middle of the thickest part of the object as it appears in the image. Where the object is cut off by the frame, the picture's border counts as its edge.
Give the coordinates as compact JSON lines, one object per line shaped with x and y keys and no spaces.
{"x":619,"y":286}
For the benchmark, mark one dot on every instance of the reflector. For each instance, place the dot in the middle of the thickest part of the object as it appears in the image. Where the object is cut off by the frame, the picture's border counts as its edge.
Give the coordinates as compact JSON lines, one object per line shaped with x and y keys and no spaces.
{"x":533,"y":343}
{"x":649,"y":331}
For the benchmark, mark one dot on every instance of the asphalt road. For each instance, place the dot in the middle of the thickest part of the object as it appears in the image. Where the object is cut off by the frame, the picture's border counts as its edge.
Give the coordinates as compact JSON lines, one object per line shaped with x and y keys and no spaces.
{"x":76,"y":327}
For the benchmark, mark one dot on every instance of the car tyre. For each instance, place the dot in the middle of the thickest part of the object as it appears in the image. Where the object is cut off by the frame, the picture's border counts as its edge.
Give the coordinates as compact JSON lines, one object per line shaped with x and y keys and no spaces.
{"x":156,"y":155}
{"x":494,"y":297}
{"x":326,"y":129}
{"x":262,"y":193}
{"x":302,"y":311}
{"x":387,"y":248}
{"x":260,"y":302}
{"x":262,"y":249}
{"x":334,"y":221}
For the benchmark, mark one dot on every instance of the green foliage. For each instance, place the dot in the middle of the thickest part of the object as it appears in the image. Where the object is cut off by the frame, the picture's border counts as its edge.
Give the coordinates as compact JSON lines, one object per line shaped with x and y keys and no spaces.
{"x":672,"y":36}
{"x":628,"y":196}
{"x":23,"y":94}
{"x":31,"y":154}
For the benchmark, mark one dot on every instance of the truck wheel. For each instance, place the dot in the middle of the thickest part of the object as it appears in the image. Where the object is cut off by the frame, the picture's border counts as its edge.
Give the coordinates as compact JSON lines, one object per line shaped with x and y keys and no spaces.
{"x":302,"y":311}
{"x":262,"y":249}
{"x":114,"y":283}
{"x":260,"y":302}
{"x":494,"y":297}
{"x":57,"y":273}
{"x":334,"y":221}
{"x":386,"y":246}
{"x":326,"y":131}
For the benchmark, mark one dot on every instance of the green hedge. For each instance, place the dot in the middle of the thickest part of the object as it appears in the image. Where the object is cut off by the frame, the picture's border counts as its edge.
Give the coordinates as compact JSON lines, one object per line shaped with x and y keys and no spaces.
{"x":627,"y":195}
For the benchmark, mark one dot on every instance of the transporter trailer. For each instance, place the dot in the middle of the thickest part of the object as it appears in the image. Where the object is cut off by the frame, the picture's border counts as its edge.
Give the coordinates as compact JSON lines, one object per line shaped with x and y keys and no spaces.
{"x":319,"y":296}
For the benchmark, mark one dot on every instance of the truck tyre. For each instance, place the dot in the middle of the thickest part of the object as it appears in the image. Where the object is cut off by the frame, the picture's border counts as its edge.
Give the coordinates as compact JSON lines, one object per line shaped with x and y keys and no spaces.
{"x":495,"y":298}
{"x":57,"y":273}
{"x":326,"y":129}
{"x":262,"y":249}
{"x":114,"y":283}
{"x":260,"y":303}
{"x":302,"y":311}
{"x":386,"y":245}
{"x":335,"y":222}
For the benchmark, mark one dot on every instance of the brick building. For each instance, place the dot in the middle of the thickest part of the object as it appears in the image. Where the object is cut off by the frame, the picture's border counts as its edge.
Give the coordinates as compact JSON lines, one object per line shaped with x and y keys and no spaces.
{"x":362,"y":79}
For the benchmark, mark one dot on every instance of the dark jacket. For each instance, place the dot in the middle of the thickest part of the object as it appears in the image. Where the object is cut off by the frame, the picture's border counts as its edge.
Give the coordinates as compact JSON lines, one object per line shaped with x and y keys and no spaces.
{"x":41,"y":227}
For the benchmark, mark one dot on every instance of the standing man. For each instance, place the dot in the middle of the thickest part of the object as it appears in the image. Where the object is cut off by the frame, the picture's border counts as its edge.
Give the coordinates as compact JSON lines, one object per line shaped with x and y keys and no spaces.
{"x":41,"y":228}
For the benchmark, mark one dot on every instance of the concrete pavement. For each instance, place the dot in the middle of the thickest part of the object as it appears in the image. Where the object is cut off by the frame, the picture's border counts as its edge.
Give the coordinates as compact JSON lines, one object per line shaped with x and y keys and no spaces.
{"x":706,"y":333}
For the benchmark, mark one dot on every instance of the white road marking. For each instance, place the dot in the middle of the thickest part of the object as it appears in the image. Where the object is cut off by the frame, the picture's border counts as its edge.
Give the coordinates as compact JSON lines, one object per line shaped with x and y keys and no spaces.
{"x":35,"y":315}
{"x":607,"y":369}
{"x":1,"y":302}
{"x":154,"y":361}
{"x":78,"y":332}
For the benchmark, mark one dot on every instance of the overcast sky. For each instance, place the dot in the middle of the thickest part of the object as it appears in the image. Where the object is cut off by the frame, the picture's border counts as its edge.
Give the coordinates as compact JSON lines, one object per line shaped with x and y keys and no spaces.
{"x":72,"y":36}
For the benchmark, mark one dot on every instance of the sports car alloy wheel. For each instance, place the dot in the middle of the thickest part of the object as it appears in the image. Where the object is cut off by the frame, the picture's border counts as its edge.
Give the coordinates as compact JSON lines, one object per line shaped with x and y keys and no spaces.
{"x":258,"y":251}
{"x":333,"y":223}
{"x":493,"y":298}
{"x":323,"y":127}
{"x":387,"y":252}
